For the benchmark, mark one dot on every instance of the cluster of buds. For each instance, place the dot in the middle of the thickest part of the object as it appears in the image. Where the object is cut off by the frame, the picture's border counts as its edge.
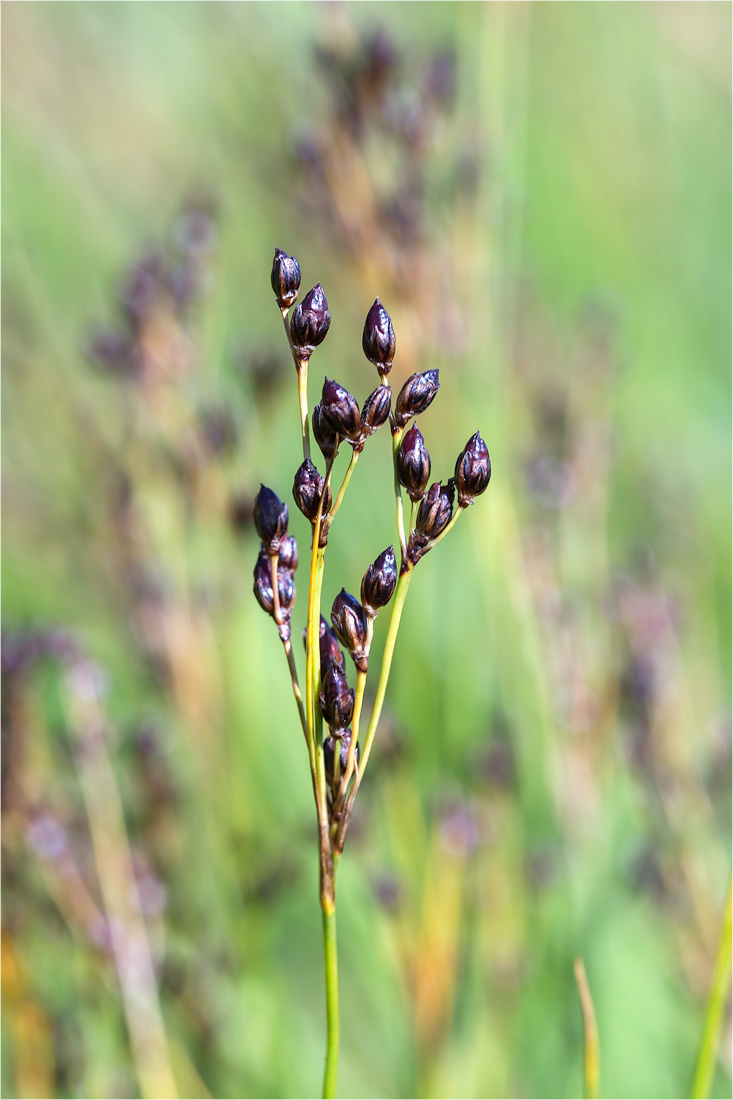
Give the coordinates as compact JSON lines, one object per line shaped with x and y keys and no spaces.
{"x":335,"y":420}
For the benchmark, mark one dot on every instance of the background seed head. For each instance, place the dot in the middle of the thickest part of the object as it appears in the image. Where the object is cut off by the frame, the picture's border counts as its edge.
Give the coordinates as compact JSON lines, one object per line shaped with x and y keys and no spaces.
{"x":285,"y":278}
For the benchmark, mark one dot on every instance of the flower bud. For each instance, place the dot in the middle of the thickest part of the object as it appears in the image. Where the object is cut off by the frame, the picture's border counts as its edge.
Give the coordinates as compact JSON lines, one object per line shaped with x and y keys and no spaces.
{"x":323,"y":433}
{"x":328,"y":645}
{"x":379,"y":582}
{"x":415,"y":396}
{"x":350,"y":623}
{"x":309,"y":322}
{"x":288,"y":559}
{"x":271,"y":519}
{"x":340,"y":410}
{"x":307,"y":491}
{"x":378,"y":339}
{"x":263,"y":587}
{"x":336,"y":699}
{"x":413,"y":463}
{"x":433,"y":516}
{"x":473,"y":470}
{"x":375,"y":410}
{"x":329,"y":754}
{"x":285,"y":278}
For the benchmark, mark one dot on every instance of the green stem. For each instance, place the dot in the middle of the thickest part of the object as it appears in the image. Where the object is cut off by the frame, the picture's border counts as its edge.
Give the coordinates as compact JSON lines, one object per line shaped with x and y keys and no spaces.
{"x":344,"y":484}
{"x":591,"y":1058}
{"x":458,"y":512}
{"x":708,"y":1053}
{"x":301,"y":366}
{"x":330,"y":952}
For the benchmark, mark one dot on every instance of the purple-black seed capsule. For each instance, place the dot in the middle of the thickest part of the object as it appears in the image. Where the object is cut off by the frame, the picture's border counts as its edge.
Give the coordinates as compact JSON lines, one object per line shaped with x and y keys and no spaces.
{"x":336,"y":699}
{"x":323,"y":433}
{"x":288,"y":559}
{"x":340,"y":410}
{"x":415,"y":396}
{"x":378,"y":339}
{"x":263,"y":586}
{"x":329,"y":754}
{"x":473,"y":470}
{"x":379,"y":582}
{"x":285,"y":278}
{"x":310,"y":321}
{"x":350,"y":624}
{"x":413,"y":463}
{"x":436,"y":509}
{"x":271,"y":519}
{"x":375,"y":410}
{"x":330,"y":651}
{"x":308,"y":489}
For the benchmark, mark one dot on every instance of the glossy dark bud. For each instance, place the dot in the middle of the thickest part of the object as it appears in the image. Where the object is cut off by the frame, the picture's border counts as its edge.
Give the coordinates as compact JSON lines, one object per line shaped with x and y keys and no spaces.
{"x":329,"y":754}
{"x":415,"y":396}
{"x":340,"y":410}
{"x":330,"y":651}
{"x":263,"y":587}
{"x":375,"y":410}
{"x":310,"y":321}
{"x":413,"y":463}
{"x":288,"y":558}
{"x":308,"y":489}
{"x":285,"y":278}
{"x":323,"y":433}
{"x":350,"y":623}
{"x":473,"y":470}
{"x":336,"y":699}
{"x":379,"y":582}
{"x":433,"y":516}
{"x":378,"y":339}
{"x":271,"y":519}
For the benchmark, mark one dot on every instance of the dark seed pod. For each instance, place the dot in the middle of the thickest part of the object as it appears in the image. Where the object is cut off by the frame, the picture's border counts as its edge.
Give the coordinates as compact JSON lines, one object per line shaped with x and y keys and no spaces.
{"x":323,"y":433}
{"x":350,"y":623}
{"x":378,"y":339}
{"x":271,"y":519}
{"x":340,"y":410}
{"x":263,"y":587}
{"x":310,"y":321}
{"x":308,"y":489}
{"x":336,"y":699}
{"x":288,"y":559}
{"x":473,"y":470}
{"x":413,"y":463}
{"x":375,"y":410}
{"x":285,"y":278}
{"x":329,"y":754}
{"x":435,"y":511}
{"x":330,"y":651}
{"x":379,"y":582}
{"x":415,"y":396}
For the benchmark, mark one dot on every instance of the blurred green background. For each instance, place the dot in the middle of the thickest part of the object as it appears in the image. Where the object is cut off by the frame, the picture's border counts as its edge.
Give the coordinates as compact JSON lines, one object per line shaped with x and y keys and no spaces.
{"x":540,"y":195}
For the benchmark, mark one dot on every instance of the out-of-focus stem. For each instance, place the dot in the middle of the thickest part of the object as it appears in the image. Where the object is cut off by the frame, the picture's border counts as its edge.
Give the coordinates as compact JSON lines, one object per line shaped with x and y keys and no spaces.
{"x":719,"y":990}
{"x":591,"y":1059}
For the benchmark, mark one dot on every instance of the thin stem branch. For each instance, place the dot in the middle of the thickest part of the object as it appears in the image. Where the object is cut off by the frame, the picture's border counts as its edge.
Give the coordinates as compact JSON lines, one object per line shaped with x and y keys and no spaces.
{"x":330,"y":952}
{"x":344,"y":484}
{"x":301,"y":366}
{"x":448,"y":528}
{"x":287,"y":646}
{"x":591,"y":1059}
{"x":719,"y":990}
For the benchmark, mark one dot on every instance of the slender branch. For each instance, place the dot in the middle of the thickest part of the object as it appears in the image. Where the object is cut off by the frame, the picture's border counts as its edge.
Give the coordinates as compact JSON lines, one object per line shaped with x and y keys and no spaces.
{"x":287,"y":646}
{"x":344,"y":484}
{"x":448,"y":528}
{"x":330,"y":952}
{"x":591,"y":1060}
{"x":719,"y":991}
{"x":301,"y":366}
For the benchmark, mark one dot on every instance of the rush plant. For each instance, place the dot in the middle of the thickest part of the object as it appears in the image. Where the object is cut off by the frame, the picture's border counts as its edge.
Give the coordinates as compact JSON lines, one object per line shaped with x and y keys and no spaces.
{"x":339,"y":760}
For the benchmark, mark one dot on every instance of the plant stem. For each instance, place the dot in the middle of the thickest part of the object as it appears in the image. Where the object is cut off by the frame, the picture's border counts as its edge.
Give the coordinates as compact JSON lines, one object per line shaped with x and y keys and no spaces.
{"x":448,"y":528}
{"x":591,"y":1060}
{"x":330,"y":952}
{"x":301,"y":366}
{"x":347,"y":478}
{"x":708,"y":1053}
{"x":287,"y":646}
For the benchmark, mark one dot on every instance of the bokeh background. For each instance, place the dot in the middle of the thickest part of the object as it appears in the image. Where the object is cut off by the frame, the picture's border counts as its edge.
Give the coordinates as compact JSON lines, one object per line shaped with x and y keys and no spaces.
{"x":540,"y":195}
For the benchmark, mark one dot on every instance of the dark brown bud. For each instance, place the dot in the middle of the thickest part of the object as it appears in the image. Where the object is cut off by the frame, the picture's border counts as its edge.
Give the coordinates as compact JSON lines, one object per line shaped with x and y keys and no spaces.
{"x":413,"y":463}
{"x":263,"y":587}
{"x":288,"y":559}
{"x":378,"y":340}
{"x":433,"y":516}
{"x":323,"y":433}
{"x":375,"y":410}
{"x":415,"y":396}
{"x":336,"y":699}
{"x":340,"y":410}
{"x":328,"y":645}
{"x":379,"y":582}
{"x":350,"y":623}
{"x":271,"y":519}
{"x":307,"y":491}
{"x":310,"y":321}
{"x":473,"y":470}
{"x":329,"y":755}
{"x":285,"y":278}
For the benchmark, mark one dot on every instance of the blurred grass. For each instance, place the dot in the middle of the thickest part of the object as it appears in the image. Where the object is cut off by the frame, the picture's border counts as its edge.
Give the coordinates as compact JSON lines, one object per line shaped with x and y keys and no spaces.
{"x":588,"y":269}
